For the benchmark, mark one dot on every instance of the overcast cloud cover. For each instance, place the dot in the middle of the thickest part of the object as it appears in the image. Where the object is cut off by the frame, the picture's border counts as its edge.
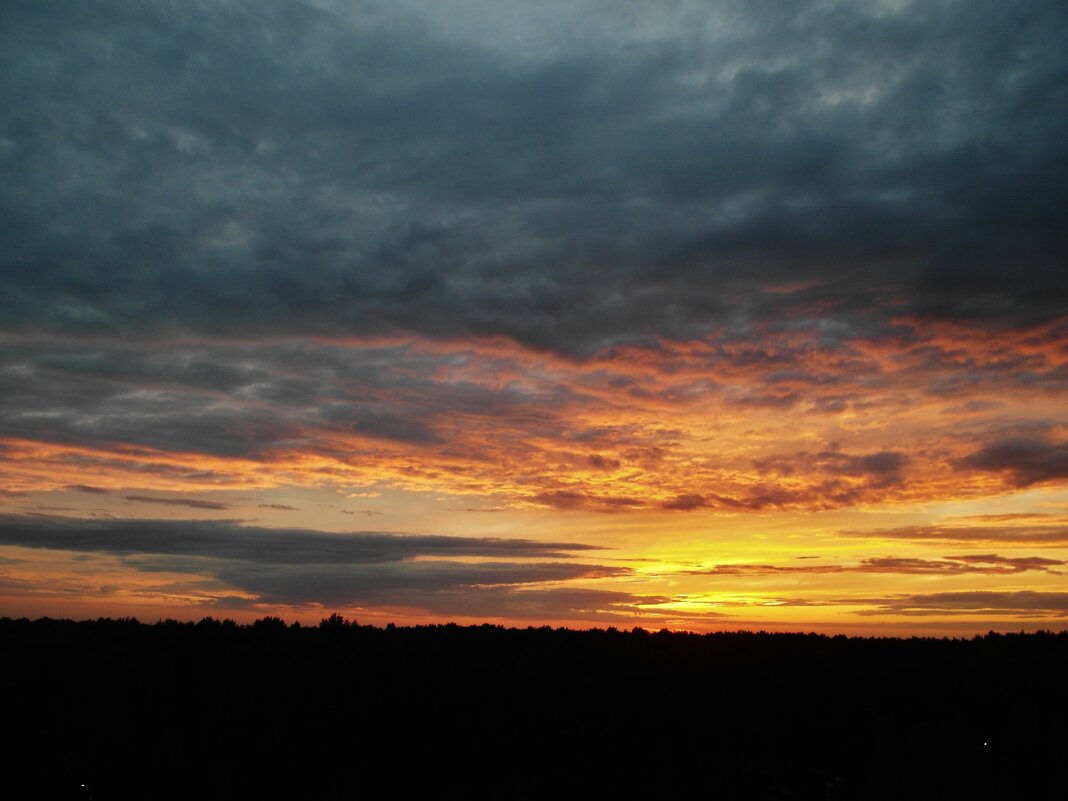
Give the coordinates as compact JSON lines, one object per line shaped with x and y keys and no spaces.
{"x":571,"y":175}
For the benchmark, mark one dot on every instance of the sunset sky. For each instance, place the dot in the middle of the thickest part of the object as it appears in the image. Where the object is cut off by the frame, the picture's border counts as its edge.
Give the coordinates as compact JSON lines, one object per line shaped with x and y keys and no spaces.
{"x":696,"y":315}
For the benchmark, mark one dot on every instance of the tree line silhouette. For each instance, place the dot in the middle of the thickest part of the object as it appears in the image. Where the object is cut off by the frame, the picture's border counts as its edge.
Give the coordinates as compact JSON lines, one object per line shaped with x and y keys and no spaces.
{"x":117,"y":709}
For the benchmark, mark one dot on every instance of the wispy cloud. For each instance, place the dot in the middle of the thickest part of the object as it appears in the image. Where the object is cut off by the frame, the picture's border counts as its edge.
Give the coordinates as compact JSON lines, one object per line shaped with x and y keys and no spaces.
{"x":1025,"y":603}
{"x":950,"y":565}
{"x":1054,"y":532}
{"x":194,"y":503}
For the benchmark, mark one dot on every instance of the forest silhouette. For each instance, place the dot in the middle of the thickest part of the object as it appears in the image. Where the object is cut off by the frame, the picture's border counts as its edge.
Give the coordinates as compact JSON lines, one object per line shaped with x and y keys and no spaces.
{"x":117,"y":709}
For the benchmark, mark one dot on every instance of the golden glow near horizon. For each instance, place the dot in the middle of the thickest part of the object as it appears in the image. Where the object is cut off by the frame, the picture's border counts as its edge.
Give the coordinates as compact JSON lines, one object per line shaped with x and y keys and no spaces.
{"x":775,"y":483}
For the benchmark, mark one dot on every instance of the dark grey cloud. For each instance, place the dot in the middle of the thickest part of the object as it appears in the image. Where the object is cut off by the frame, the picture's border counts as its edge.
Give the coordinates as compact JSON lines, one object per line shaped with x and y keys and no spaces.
{"x":1026,"y":461}
{"x":686,"y":503}
{"x":881,"y":467}
{"x":846,"y":478}
{"x":573,"y":499}
{"x":224,"y":539}
{"x":1052,"y":532}
{"x":403,"y":583}
{"x":116,"y":394}
{"x":1018,"y":604}
{"x":603,"y":462}
{"x":556,"y":175}
{"x":275,"y":395}
{"x":552,"y":604}
{"x":1012,"y":562}
{"x":560,"y":603}
{"x":1024,"y":603}
{"x":193,"y":503}
{"x":301,"y":567}
{"x":381,"y":425}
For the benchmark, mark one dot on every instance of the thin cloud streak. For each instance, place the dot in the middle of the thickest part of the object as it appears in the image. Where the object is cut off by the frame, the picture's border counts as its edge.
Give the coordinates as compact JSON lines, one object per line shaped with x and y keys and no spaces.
{"x":227,"y":539}
{"x":193,"y":503}
{"x":988,"y":564}
{"x":1024,"y":603}
{"x":1053,"y":533}
{"x":300,"y":568}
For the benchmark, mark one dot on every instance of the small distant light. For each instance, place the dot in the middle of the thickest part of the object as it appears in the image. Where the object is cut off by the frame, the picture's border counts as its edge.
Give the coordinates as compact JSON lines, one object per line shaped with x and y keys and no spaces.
{"x":985,"y":743}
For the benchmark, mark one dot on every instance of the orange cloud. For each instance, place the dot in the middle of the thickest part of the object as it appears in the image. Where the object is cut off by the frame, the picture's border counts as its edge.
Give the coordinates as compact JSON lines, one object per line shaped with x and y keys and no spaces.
{"x":775,"y":420}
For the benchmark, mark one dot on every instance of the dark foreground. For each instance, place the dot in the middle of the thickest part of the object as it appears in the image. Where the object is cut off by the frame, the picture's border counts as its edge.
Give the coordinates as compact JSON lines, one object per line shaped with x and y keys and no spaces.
{"x":214,"y":710}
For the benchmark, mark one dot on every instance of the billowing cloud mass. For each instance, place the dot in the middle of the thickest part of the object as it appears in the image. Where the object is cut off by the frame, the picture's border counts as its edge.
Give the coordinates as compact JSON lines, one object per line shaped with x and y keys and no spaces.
{"x":709,"y":285}
{"x":570,"y":178}
{"x":1027,"y":461}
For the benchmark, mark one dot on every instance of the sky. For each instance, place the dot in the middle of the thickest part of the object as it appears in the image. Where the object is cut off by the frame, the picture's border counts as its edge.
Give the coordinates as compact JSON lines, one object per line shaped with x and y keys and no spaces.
{"x":688,"y":315}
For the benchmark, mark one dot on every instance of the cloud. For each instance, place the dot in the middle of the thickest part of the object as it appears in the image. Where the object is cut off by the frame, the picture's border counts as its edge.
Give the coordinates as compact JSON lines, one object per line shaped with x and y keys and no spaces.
{"x":1055,"y":532}
{"x":686,"y":503}
{"x":1026,"y":461}
{"x":395,"y":583}
{"x":382,"y":425}
{"x":281,"y":507}
{"x":279,"y":396}
{"x":308,"y":169}
{"x":194,"y":503}
{"x":563,"y":603}
{"x":299,"y":567}
{"x":388,"y":244}
{"x":1011,"y":603}
{"x":518,"y":603}
{"x":225,"y":539}
{"x":596,"y":258}
{"x":949,"y":565}
{"x":603,"y":463}
{"x":1023,"y":603}
{"x":571,"y":499}
{"x":1014,"y":563}
{"x":880,"y":467}
{"x":460,"y":415}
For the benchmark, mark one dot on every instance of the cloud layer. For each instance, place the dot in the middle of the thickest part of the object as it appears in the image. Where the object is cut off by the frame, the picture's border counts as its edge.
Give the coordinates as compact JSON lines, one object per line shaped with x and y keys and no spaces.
{"x":446,"y":249}
{"x":687,"y":271}
{"x":223,"y":539}
{"x":1024,"y":603}
{"x":950,"y":565}
{"x":681,"y":427}
{"x":307,"y":168}
{"x":301,"y":568}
